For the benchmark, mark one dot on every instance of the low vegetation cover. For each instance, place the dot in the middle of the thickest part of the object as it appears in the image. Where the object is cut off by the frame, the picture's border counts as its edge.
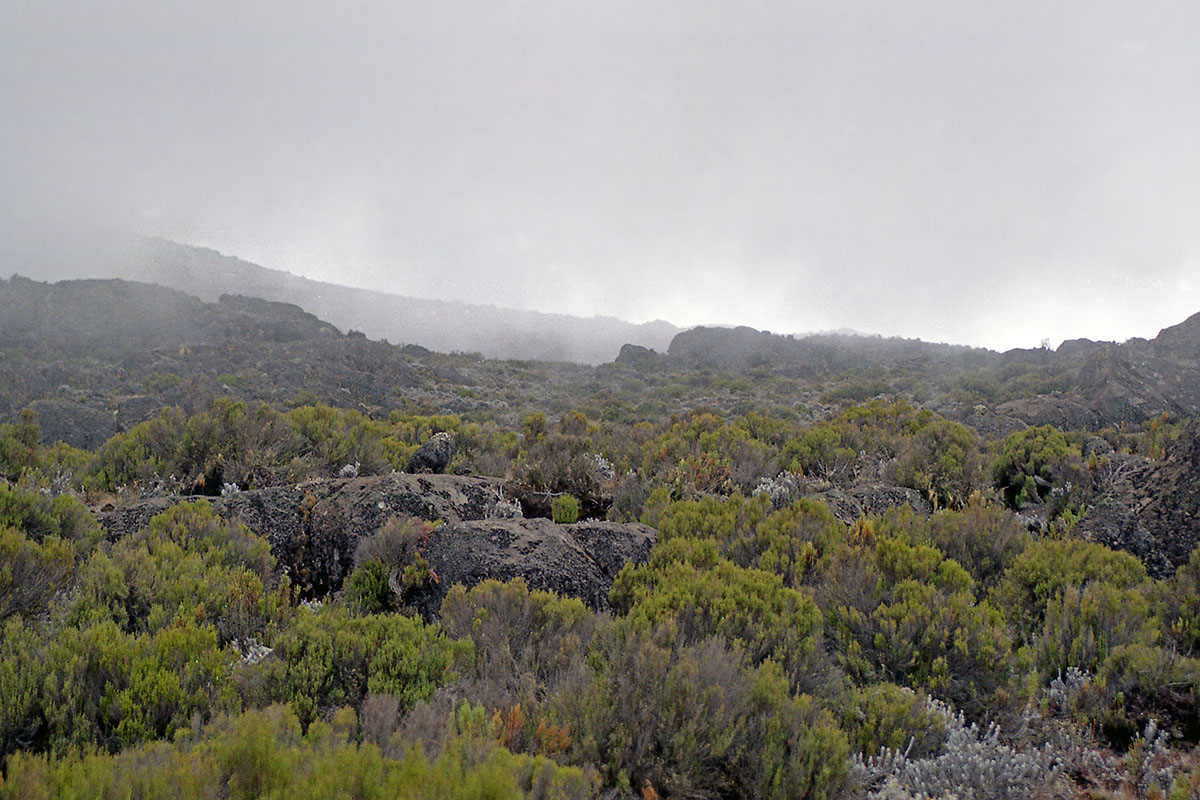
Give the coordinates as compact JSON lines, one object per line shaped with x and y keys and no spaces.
{"x":772,"y":646}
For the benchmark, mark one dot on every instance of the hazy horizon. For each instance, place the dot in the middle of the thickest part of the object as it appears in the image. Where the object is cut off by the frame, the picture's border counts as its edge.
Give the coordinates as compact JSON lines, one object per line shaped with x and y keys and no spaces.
{"x":990,"y":176}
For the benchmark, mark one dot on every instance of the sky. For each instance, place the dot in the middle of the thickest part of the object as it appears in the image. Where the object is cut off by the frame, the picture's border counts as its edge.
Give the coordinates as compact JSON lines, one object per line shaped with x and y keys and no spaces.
{"x":982,"y":173}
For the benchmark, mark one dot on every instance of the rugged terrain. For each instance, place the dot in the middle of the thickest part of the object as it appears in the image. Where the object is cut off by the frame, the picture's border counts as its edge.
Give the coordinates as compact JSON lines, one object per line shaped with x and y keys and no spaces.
{"x":315,"y":528}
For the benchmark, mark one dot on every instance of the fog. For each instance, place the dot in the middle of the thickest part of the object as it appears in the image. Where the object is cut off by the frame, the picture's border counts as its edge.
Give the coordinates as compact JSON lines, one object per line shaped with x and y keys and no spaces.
{"x":993,"y":174}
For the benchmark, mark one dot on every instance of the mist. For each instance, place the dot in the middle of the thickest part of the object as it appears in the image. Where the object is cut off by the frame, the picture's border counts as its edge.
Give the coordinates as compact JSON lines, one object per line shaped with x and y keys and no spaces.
{"x":992,"y":175}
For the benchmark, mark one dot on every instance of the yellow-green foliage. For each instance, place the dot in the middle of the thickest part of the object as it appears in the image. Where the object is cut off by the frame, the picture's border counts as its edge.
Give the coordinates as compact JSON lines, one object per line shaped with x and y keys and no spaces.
{"x":344,"y":436}
{"x":188,"y":563}
{"x":31,"y":573}
{"x":525,"y":641}
{"x":1177,"y":603}
{"x":99,"y":686}
{"x":703,"y":453}
{"x":830,"y":449}
{"x":886,"y":715}
{"x":984,"y":538}
{"x":1042,"y":572}
{"x":564,"y":509}
{"x":242,"y":436}
{"x":329,"y":658}
{"x":943,"y":460}
{"x":1032,"y":454}
{"x":263,"y":754}
{"x":19,"y":450}
{"x":787,"y":542}
{"x":706,"y":596}
{"x":37,"y":517}
{"x":1084,"y":625}
{"x":689,"y":719}
{"x":906,"y":614}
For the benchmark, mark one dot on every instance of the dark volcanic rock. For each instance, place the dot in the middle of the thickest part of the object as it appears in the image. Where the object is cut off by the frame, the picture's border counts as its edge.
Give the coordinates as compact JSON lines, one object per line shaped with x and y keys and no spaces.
{"x":577,"y":560}
{"x":1065,"y":412}
{"x":847,"y":505}
{"x":433,"y":456}
{"x":77,"y":424}
{"x":634,"y":355}
{"x":315,"y":527}
{"x":1152,"y":509}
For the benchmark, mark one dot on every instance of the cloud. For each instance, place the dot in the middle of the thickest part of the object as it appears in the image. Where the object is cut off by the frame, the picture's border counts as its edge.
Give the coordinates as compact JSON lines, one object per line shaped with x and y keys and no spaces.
{"x":933,"y":169}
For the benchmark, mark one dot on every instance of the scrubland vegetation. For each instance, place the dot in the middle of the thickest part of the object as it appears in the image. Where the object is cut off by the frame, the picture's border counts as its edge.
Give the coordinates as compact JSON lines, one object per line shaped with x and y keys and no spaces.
{"x":767,"y":649}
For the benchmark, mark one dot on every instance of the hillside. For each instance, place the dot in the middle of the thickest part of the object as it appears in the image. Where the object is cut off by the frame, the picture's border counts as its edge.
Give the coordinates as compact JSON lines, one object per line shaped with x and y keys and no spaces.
{"x":440,"y":325}
{"x":232,"y":535}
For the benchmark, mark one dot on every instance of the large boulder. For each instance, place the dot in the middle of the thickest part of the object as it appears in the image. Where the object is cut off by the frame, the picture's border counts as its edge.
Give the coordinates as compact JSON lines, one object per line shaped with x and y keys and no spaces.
{"x":579,"y":560}
{"x":433,"y":456}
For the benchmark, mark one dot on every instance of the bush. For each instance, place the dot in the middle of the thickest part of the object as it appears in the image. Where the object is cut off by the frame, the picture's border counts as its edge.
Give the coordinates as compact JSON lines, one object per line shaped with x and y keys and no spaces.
{"x":526,"y":642}
{"x":707,"y":596}
{"x":564,"y":509}
{"x":187,"y":564}
{"x":906,"y":614}
{"x":330,"y":659}
{"x":1031,"y":461}
{"x":389,"y":568}
{"x":1043,"y":571}
{"x":32,"y":573}
{"x":684,"y":721}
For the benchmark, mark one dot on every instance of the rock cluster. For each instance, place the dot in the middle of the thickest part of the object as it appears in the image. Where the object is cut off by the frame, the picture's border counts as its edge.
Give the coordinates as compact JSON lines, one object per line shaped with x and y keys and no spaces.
{"x":1152,"y":509}
{"x":315,"y":527}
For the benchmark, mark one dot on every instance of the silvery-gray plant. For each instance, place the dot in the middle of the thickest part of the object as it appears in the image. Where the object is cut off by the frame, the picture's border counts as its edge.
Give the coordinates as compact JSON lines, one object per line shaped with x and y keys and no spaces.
{"x":974,"y":764}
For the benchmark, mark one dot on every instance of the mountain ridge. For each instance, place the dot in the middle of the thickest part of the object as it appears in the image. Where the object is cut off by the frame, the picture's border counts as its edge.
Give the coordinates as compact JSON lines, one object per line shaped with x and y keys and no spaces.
{"x":441,"y":325}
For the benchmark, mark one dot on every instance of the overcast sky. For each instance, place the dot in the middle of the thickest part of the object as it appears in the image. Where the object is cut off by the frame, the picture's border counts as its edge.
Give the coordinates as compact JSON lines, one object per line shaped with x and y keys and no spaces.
{"x":988,"y":173}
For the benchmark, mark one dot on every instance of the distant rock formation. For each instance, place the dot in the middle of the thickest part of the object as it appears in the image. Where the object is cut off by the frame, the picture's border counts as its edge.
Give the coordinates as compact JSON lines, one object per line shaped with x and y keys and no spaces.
{"x":440,"y":325}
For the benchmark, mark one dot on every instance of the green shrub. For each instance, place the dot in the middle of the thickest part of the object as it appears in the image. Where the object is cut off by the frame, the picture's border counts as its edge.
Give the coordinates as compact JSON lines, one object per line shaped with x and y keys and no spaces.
{"x":331,"y":659}
{"x":1030,"y":461}
{"x":564,"y":509}
{"x":389,"y":568}
{"x":906,"y":614}
{"x":526,"y":642}
{"x":886,"y":715}
{"x":692,"y":720}
{"x":32,"y":573}
{"x":1044,"y":569}
{"x":188,"y":563}
{"x":707,"y":596}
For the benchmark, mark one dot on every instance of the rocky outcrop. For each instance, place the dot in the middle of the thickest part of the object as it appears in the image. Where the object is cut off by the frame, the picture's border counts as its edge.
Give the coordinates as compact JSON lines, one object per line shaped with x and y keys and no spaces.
{"x":579,"y":560}
{"x":847,"y":505}
{"x":1151,"y":509}
{"x":314,"y":528}
{"x":1065,"y":412}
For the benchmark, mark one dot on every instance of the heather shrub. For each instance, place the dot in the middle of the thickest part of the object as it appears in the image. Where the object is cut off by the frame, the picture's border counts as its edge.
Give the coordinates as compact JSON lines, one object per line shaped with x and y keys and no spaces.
{"x":1031,"y":461}
{"x":906,"y":614}
{"x":32,"y":573}
{"x":525,"y":642}
{"x":943,"y":461}
{"x":680,"y":719}
{"x":186,"y":564}
{"x":564,"y":509}
{"x":37,"y":516}
{"x":389,"y":567}
{"x":884,"y":715}
{"x":709,"y":596}
{"x":329,"y":659}
{"x":1044,"y":570}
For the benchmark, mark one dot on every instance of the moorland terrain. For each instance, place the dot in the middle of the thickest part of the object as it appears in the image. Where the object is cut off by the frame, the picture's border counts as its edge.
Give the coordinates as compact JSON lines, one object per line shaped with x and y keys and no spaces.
{"x":249,"y":549}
